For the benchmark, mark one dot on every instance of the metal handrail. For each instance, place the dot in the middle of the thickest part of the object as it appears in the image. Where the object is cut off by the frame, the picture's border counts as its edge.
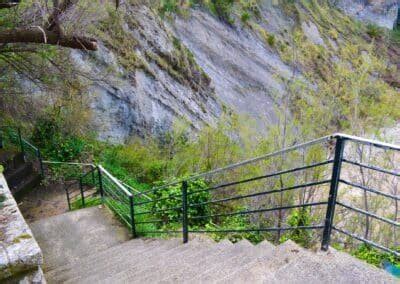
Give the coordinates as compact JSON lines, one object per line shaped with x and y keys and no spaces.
{"x":280,"y":152}
{"x":116,"y":181}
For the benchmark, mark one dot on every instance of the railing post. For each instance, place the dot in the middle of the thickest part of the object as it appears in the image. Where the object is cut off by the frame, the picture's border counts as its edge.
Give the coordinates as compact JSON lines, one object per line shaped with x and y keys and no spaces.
{"x":132,"y":216}
{"x":185,"y":212}
{"x":82,"y":194}
{"x":68,"y":199}
{"x":330,"y":212}
{"x":39,"y":156}
{"x":1,"y":139}
{"x":21,"y":144}
{"x":92,"y":168}
{"x":101,"y":184}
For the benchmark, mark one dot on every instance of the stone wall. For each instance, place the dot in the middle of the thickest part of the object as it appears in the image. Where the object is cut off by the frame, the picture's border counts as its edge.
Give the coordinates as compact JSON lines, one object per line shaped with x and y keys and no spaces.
{"x":20,"y":255}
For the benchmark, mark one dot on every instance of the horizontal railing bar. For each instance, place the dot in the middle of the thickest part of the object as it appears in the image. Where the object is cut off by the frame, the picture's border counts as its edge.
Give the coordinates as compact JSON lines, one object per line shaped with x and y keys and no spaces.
{"x":137,"y":191}
{"x":149,"y":222}
{"x":29,"y":144}
{"x":260,"y":193}
{"x":370,"y":189}
{"x":366,"y":241}
{"x":371,"y":167}
{"x":243,"y":163}
{"x":114,"y":180}
{"x":92,"y":194}
{"x":371,"y":142}
{"x":259,"y":229}
{"x":159,"y":211}
{"x":159,"y":232}
{"x":259,"y":210}
{"x":264,"y":176}
{"x":69,"y":163}
{"x":160,"y":199}
{"x":115,"y":196}
{"x":383,"y":219}
{"x":88,"y":173}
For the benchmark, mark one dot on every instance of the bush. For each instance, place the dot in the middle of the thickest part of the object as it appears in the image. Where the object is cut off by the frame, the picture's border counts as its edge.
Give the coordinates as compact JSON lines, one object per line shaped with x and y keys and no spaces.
{"x":298,"y":218}
{"x":48,"y":136}
{"x":175,"y":216}
{"x":374,"y":256}
{"x":374,"y":31}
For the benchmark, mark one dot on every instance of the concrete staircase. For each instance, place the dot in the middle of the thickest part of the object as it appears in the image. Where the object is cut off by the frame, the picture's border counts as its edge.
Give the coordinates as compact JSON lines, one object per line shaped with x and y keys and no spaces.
{"x":113,"y":259}
{"x":20,"y":175}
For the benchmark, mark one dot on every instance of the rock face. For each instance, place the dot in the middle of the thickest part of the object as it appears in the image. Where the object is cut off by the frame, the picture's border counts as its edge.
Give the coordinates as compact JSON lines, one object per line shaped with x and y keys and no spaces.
{"x":150,"y":99}
{"x":381,"y":12}
{"x":228,"y":68}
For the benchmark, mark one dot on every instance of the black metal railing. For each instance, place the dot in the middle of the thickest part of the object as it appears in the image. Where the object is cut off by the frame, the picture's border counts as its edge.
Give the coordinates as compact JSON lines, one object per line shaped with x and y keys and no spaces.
{"x":310,"y":178}
{"x":12,"y":138}
{"x":338,"y":188}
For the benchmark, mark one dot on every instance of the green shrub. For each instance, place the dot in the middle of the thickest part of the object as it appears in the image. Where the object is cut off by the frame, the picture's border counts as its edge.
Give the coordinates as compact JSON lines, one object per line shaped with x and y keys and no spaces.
{"x":245,"y":17}
{"x":271,"y":40}
{"x":374,"y":256}
{"x":298,"y":218}
{"x":374,"y":31}
{"x":55,"y":144}
{"x":175,"y":216}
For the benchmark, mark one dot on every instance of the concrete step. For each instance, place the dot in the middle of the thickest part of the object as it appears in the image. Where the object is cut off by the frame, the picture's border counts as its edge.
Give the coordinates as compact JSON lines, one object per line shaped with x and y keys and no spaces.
{"x":215,"y":255}
{"x":100,"y":261}
{"x":158,"y":267}
{"x":230,"y":265}
{"x":26,"y":184}
{"x":16,"y":175}
{"x":125,"y":263}
{"x":72,"y":236}
{"x":332,"y":267}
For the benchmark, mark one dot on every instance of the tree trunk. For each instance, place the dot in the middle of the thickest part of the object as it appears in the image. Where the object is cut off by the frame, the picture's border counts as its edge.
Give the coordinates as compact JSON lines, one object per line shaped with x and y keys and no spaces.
{"x":38,"y":35}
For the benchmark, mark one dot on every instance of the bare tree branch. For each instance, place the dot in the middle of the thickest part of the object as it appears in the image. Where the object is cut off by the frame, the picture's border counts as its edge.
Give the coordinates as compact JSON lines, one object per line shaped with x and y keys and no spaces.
{"x":36,"y":35}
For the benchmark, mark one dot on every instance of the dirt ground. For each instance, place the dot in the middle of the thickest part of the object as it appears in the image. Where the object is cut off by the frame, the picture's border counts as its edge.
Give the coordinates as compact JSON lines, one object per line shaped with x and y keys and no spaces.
{"x":42,"y":202}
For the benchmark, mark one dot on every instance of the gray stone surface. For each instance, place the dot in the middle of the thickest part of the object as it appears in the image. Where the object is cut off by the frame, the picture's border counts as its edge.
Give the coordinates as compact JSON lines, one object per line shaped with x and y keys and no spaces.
{"x":69,"y":237}
{"x":19,"y":251}
{"x":204,"y":261}
{"x":380,"y":12}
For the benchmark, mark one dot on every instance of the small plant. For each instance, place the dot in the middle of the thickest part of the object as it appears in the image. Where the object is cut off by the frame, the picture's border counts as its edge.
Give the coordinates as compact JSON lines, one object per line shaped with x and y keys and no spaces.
{"x":374,"y":31}
{"x":245,"y":17}
{"x":374,"y":256}
{"x":271,"y":40}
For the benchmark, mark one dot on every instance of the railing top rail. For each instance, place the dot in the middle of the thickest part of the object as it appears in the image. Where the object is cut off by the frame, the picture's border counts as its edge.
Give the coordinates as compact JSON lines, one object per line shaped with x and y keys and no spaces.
{"x":283,"y":151}
{"x":117,"y":182}
{"x":137,"y":191}
{"x":30,"y":144}
{"x":69,"y":163}
{"x":372,"y":142}
{"x":246,"y":162}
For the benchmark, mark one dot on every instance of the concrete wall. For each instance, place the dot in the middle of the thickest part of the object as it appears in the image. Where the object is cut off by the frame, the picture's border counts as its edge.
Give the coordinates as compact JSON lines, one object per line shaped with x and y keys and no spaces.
{"x":20,"y":255}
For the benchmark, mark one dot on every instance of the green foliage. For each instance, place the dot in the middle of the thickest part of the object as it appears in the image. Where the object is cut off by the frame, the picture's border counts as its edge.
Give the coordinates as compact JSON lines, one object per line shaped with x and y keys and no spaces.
{"x":57,"y":145}
{"x":374,"y":256}
{"x":245,"y":17}
{"x":175,"y":216}
{"x":169,"y":6}
{"x":89,"y":202}
{"x":271,"y":40}
{"x":374,"y":31}
{"x":238,"y":222}
{"x":298,"y":218}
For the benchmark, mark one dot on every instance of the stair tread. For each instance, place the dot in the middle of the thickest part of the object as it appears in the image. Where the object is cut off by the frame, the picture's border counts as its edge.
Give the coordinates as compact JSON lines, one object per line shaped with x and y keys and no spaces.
{"x":18,"y":174}
{"x":113,"y":264}
{"x":184,"y":255}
